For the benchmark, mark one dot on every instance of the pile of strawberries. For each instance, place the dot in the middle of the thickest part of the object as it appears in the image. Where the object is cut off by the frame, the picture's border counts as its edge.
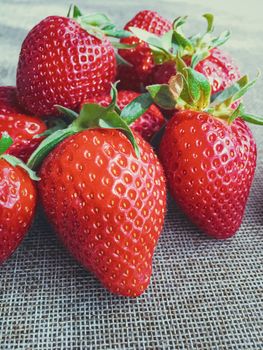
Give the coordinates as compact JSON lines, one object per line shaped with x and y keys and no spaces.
{"x":89,"y":99}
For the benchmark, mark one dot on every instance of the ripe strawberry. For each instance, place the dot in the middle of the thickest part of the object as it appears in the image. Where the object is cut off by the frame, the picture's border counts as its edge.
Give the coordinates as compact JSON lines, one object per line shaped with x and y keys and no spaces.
{"x":207,"y":150}
{"x":62,"y":63}
{"x":22,"y":128}
{"x":147,"y":125}
{"x":140,"y":57}
{"x":210,"y":166}
{"x":8,"y":100}
{"x":106,"y":204}
{"x":17,"y":204}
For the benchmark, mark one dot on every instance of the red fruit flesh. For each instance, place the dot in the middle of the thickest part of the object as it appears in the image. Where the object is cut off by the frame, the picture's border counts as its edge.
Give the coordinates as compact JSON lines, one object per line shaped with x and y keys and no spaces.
{"x":61,"y":63}
{"x":17,"y":207}
{"x":106,"y":205}
{"x":147,"y":125}
{"x":210,"y":167}
{"x":133,"y":78}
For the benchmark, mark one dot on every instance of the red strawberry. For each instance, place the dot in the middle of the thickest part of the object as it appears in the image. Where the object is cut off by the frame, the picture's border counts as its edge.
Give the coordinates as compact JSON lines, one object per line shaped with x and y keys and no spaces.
{"x":106,"y":204}
{"x":207,"y":150}
{"x":147,"y":125}
{"x":8,"y":100}
{"x":61,"y":63}
{"x":140,"y":57}
{"x":210,"y":167}
{"x":17,"y":206}
{"x":22,"y":128}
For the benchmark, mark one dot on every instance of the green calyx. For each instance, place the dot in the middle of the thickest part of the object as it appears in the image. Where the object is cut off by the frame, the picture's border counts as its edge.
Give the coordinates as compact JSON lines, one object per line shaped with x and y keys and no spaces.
{"x":97,"y":24}
{"x":190,"y":90}
{"x":91,"y":116}
{"x":174,"y":43}
{"x":5,"y":142}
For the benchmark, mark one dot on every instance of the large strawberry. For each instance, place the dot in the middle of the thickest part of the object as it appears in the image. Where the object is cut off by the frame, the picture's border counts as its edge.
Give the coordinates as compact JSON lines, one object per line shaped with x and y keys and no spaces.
{"x":140,"y":60}
{"x":201,"y":52}
{"x":23,"y":129}
{"x":62,"y":61}
{"x":105,"y":196}
{"x":147,"y":125}
{"x":208,"y":151}
{"x":17,"y":201}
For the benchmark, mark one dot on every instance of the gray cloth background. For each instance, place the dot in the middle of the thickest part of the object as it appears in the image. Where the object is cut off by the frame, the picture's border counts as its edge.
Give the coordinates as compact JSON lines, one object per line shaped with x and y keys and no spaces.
{"x":204,"y":294}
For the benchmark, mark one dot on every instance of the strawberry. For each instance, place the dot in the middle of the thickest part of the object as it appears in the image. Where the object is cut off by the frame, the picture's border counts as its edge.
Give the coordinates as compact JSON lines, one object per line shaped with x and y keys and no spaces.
{"x":140,"y":59}
{"x":8,"y":100}
{"x":210,"y":167}
{"x":17,"y":201}
{"x":207,"y":150}
{"x":22,"y":128}
{"x":201,"y":52}
{"x":147,"y":125}
{"x":105,"y":201}
{"x":63,"y":61}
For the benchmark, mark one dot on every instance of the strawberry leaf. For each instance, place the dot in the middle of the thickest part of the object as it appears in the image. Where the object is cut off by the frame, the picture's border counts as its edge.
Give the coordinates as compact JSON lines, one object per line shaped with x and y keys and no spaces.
{"x":117,"y":33}
{"x":5,"y":142}
{"x":18,"y":162}
{"x":71,"y":115}
{"x":199,"y":56}
{"x":75,"y":12}
{"x":97,"y":20}
{"x":227,"y":94}
{"x":243,"y":90}
{"x":220,"y":40}
{"x":237,"y":113}
{"x":153,"y":40}
{"x":136,"y":108}
{"x":252,"y":118}
{"x":47,"y":145}
{"x":94,"y":115}
{"x":199,"y":88}
{"x":182,"y":41}
{"x":111,"y":120}
{"x":118,"y":45}
{"x":179,"y":21}
{"x":162,"y":95}
{"x":210,"y":22}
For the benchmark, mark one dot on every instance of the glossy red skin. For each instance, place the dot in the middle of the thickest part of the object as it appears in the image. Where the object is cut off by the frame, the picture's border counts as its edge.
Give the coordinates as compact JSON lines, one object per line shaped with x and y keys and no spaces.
{"x":147,"y":125}
{"x":209,"y":166}
{"x":61,"y":63}
{"x":133,"y":78}
{"x":17,"y":207}
{"x":22,"y":129}
{"x":8,"y":100}
{"x":106,"y":205}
